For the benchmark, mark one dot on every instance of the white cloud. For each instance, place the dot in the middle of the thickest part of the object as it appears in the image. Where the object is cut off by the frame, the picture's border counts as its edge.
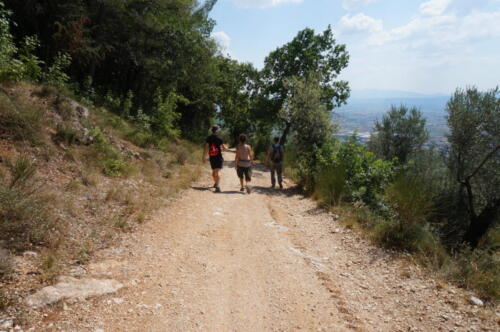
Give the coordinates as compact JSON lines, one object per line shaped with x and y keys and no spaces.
{"x":359,"y":23}
{"x":434,"y":7}
{"x":353,"y":4}
{"x":262,"y":3}
{"x":222,"y":39}
{"x":443,"y":31}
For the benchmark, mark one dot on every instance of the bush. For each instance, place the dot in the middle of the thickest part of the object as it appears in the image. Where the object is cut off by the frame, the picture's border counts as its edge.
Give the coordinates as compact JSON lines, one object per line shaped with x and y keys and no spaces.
{"x":355,"y":172}
{"x":55,"y":74}
{"x":114,"y":167}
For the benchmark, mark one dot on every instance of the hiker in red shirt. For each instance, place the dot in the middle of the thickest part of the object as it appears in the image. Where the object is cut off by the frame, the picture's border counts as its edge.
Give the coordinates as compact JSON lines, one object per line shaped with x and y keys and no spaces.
{"x":213,"y":147}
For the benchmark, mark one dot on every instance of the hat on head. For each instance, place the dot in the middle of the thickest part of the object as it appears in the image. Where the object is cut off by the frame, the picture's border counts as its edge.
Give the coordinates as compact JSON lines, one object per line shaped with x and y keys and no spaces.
{"x":215,"y":129}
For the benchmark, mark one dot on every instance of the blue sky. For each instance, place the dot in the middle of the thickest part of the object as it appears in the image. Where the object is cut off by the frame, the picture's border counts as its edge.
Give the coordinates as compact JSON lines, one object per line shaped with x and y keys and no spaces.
{"x":427,"y":46}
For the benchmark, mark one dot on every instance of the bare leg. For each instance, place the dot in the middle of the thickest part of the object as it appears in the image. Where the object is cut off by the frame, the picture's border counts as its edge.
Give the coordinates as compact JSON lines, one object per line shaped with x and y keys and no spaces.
{"x":215,"y":175}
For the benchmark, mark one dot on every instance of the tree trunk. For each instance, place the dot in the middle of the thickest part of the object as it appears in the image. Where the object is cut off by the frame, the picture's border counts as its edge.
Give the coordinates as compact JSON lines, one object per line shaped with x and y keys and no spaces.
{"x":285,"y":133}
{"x":479,"y":225}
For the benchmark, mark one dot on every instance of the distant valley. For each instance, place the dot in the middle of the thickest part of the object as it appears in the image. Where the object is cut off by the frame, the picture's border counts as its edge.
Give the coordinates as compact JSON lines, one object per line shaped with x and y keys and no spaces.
{"x":364,"y":107}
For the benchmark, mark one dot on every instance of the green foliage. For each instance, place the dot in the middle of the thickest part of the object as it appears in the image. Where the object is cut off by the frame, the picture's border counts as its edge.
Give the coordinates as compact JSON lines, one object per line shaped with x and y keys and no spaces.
{"x":366,"y":176}
{"x":55,"y":74}
{"x":237,"y":96}
{"x":114,"y":167}
{"x":165,"y":116}
{"x":308,"y":52}
{"x":400,"y":134}
{"x":143,"y":120}
{"x":102,"y":145}
{"x":7,"y":47}
{"x":306,"y":113}
{"x":140,"y":46}
{"x":31,"y":64}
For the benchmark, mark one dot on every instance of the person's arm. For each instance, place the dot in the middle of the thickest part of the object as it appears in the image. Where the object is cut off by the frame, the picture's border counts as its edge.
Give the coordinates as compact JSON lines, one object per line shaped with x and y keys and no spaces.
{"x":224,"y":147}
{"x":250,"y":154}
{"x":268,"y":155}
{"x":205,"y":152}
{"x":236,"y":157}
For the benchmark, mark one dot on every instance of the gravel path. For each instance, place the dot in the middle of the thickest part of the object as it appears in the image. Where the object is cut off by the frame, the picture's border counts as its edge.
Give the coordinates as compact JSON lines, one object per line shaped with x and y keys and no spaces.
{"x":268,"y":261}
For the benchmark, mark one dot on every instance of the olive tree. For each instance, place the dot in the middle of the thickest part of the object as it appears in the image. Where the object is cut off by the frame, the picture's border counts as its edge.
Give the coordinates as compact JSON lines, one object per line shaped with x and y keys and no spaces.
{"x":399,"y":134}
{"x":474,"y":156}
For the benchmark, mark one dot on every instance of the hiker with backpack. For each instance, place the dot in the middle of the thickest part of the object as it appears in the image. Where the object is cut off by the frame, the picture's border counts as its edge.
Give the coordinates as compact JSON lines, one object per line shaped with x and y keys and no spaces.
{"x":213,"y":147}
{"x":274,"y":160}
{"x":243,"y":162}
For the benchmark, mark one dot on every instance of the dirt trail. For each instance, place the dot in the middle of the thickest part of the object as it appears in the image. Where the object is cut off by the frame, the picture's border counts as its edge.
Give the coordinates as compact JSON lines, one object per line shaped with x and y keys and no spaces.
{"x":269,"y":261}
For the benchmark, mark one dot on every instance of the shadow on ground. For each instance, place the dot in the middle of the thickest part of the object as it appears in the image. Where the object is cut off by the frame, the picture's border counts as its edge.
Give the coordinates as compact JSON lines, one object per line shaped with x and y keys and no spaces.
{"x":291,"y":191}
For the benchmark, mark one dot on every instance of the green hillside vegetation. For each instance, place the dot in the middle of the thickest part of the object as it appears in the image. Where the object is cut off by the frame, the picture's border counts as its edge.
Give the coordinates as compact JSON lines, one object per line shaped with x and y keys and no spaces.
{"x":150,"y":74}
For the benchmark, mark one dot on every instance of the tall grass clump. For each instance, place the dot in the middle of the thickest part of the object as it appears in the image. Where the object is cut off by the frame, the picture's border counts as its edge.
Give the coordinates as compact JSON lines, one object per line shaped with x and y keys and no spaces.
{"x":331,"y":184}
{"x":24,"y":214}
{"x":410,"y":200}
{"x":6,"y":264}
{"x":18,"y":120}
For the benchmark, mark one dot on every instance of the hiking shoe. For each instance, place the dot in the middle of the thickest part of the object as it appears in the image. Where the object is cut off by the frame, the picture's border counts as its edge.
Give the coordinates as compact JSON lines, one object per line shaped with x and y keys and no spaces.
{"x":248,"y":190}
{"x":217,"y":189}
{"x":242,"y":189}
{"x":281,"y":186}
{"x":272,"y":186}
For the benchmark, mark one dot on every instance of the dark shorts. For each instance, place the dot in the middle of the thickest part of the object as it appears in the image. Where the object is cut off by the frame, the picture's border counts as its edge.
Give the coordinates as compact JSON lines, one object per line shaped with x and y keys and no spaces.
{"x":244,"y":172}
{"x":216,"y":162}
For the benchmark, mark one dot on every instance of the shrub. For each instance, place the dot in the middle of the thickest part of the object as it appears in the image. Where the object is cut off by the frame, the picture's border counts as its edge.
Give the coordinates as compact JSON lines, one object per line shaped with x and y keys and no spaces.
{"x":364,"y":176}
{"x":55,"y":74}
{"x":114,"y":167}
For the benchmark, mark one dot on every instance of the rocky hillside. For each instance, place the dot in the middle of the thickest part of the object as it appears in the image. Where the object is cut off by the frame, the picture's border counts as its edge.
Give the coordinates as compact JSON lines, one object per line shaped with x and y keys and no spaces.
{"x":72,"y":182}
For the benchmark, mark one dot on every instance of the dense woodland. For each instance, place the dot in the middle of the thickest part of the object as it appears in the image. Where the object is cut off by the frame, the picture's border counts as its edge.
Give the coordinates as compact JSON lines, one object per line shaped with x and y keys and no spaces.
{"x":153,"y":62}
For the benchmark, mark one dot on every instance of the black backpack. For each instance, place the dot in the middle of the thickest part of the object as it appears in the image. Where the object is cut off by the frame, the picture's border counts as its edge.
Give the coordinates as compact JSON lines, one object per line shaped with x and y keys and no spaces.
{"x":277,"y":154}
